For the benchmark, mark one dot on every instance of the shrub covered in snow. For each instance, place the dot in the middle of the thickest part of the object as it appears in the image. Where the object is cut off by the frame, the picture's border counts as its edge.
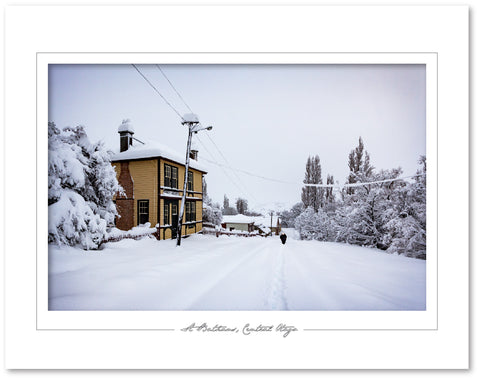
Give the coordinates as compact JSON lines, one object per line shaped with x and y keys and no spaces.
{"x":81,"y":186}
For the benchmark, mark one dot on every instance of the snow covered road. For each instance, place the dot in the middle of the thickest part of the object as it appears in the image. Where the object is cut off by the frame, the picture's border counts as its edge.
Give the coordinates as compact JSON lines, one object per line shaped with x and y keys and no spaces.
{"x":233,"y":273}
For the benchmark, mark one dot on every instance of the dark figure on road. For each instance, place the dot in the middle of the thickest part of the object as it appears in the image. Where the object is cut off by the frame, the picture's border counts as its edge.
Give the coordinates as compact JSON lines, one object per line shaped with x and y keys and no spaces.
{"x":283,"y":237}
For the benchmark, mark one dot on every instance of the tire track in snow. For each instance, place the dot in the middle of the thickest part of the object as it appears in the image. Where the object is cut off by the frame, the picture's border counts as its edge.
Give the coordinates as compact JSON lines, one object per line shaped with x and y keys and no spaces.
{"x":213,"y":282}
{"x":276,"y":299}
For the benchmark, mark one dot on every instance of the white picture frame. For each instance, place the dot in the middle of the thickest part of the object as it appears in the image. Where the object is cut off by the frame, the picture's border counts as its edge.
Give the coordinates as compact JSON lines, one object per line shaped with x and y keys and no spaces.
{"x":155,"y":340}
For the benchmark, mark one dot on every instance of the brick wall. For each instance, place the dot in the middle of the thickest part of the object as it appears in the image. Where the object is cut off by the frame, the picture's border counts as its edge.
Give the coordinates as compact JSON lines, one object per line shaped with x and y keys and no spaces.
{"x":125,"y":203}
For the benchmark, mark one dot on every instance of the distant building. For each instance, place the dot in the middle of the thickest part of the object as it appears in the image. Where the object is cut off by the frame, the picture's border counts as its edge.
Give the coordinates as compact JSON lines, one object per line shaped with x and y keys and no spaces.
{"x":152,"y":176}
{"x":264,"y":225}
{"x":272,"y":222}
{"x":238,"y":222}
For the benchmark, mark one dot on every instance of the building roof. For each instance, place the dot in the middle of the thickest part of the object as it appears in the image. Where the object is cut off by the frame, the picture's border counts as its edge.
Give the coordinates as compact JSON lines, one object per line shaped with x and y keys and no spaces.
{"x":258,"y":220}
{"x":239,"y":218}
{"x":153,"y":149}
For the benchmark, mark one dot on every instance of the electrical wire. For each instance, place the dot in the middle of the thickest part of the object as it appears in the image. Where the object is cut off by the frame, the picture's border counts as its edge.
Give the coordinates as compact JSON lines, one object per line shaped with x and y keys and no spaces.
{"x":335,"y":186}
{"x":226,"y":173}
{"x":158,"y":92}
{"x":174,"y":89}
{"x":215,"y":145}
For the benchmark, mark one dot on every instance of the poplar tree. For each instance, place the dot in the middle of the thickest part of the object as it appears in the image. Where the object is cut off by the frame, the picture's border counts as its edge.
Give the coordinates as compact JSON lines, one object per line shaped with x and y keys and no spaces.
{"x":359,"y":164}
{"x":313,"y":196}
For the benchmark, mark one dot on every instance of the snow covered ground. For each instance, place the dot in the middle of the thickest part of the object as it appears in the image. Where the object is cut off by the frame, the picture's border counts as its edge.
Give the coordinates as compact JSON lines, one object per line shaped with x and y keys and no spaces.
{"x":233,"y":273}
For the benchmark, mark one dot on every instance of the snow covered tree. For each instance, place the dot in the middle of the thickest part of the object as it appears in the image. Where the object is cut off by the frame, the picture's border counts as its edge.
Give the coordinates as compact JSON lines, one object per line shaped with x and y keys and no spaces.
{"x":329,"y":197}
{"x":211,"y":212}
{"x":406,"y":228}
{"x":362,"y":218}
{"x":359,"y":165}
{"x":227,"y":210}
{"x":81,"y":186}
{"x":313,"y":225}
{"x":242,"y":205}
{"x":307,"y":224}
{"x":288,"y":216}
{"x":313,"y":196}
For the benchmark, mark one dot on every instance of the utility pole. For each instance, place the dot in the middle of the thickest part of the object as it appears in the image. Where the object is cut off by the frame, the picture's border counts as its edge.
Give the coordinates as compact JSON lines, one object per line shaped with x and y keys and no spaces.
{"x":271,"y":222}
{"x":191,"y":120}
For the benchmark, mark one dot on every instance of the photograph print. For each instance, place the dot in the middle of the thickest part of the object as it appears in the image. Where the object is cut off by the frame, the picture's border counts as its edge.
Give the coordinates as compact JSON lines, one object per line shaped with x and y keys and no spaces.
{"x":294,"y":187}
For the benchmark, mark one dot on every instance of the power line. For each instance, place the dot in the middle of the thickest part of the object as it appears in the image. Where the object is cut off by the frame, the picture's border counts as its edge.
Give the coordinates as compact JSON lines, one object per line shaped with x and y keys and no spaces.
{"x":245,"y":190}
{"x":357,"y":184}
{"x":225,"y":159}
{"x":158,"y":92}
{"x":215,"y":145}
{"x":174,"y":89}
{"x":250,"y":174}
{"x":226,"y":173}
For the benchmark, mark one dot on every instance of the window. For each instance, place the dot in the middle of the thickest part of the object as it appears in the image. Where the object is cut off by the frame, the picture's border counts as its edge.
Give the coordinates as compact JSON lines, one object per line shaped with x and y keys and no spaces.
{"x":190,"y":181}
{"x":168,"y":176}
{"x":174,"y":177}
{"x":171,"y":176}
{"x":190,"y":214}
{"x":166,"y":213}
{"x":142,"y":207}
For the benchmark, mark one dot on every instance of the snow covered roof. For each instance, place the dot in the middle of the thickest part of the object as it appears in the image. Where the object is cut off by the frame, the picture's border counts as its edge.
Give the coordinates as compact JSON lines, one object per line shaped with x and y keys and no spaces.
{"x":126,"y":126}
{"x":258,"y":220}
{"x":239,"y":218}
{"x":263,"y":228}
{"x":152,"y":149}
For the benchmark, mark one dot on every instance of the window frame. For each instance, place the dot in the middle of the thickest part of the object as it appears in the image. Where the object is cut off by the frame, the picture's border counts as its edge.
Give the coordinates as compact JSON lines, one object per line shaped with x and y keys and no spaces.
{"x":190,"y":211}
{"x":166,"y":213}
{"x":170,"y":176}
{"x":190,"y":181}
{"x":167,"y":169}
{"x":139,"y":208}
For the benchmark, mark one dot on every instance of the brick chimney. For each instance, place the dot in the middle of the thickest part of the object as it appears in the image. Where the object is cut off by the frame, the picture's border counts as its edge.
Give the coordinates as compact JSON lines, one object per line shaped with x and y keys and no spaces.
{"x":194,"y":154}
{"x":194,"y":151}
{"x":126,"y":132}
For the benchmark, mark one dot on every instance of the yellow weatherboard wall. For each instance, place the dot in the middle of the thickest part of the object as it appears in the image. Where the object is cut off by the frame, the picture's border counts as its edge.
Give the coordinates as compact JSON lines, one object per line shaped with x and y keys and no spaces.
{"x":144,"y":174}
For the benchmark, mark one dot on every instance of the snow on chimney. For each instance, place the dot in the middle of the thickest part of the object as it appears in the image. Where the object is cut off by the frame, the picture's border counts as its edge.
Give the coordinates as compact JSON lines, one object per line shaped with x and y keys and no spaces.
{"x":126,"y":132}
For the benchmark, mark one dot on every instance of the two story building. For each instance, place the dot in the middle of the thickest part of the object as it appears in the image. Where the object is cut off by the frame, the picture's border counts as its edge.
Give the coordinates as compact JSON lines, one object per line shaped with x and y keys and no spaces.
{"x":152,"y":176}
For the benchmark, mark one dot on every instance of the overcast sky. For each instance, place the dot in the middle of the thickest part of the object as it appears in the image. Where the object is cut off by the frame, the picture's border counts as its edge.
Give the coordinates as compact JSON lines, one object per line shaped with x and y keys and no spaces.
{"x":267,"y":119}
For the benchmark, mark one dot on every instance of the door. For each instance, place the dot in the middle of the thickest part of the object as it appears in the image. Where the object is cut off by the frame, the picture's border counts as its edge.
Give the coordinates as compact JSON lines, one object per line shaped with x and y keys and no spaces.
{"x":171,"y":215}
{"x":174,"y":211}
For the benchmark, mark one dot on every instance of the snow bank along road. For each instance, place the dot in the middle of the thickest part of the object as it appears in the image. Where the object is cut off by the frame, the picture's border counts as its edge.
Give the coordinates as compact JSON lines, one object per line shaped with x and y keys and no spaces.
{"x":233,"y":273}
